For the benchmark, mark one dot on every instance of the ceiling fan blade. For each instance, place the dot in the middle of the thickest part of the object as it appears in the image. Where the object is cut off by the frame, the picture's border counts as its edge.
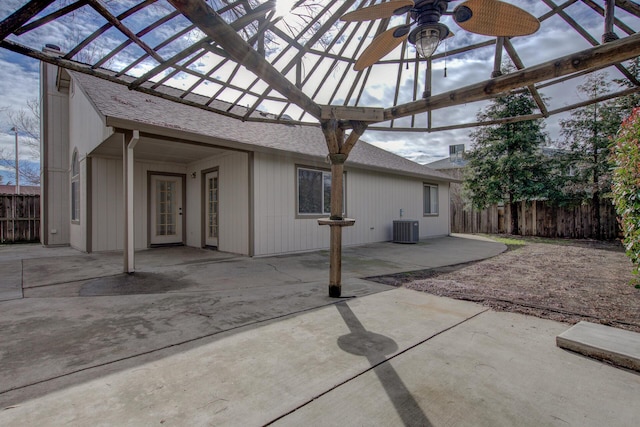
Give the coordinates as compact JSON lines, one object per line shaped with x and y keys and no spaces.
{"x":382,"y":45}
{"x":377,"y":11}
{"x":495,"y":18}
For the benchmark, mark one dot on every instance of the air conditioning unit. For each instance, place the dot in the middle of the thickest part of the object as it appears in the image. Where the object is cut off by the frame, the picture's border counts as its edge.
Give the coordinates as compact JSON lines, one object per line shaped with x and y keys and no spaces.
{"x":406,"y":231}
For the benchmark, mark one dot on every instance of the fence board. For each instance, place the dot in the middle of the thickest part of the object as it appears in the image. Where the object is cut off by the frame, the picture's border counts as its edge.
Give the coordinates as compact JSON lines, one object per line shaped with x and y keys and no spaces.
{"x":19,"y":218}
{"x":537,"y":218}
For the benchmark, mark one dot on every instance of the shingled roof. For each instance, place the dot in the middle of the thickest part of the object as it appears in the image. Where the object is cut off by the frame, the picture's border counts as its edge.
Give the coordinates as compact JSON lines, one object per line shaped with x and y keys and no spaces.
{"x":122,"y":107}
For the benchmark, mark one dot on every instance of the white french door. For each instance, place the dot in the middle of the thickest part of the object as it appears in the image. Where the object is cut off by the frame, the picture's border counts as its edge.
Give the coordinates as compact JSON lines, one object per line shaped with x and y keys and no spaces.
{"x":211,"y":204}
{"x":166,"y":209}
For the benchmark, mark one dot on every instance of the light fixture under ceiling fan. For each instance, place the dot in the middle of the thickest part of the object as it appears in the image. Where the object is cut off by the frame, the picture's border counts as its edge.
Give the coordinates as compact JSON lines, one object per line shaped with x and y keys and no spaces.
{"x":486,"y":17}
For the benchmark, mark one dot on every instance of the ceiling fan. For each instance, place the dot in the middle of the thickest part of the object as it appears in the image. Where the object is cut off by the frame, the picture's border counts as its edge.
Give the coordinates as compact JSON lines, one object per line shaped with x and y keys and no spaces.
{"x":487,"y":17}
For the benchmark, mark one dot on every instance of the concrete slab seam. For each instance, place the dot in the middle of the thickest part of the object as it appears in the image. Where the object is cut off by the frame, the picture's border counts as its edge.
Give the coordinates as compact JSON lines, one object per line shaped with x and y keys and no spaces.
{"x":372,"y":367}
{"x":282,"y":272}
{"x":479,"y":299}
{"x":72,"y":281}
{"x":295,"y":313}
{"x":22,"y":278}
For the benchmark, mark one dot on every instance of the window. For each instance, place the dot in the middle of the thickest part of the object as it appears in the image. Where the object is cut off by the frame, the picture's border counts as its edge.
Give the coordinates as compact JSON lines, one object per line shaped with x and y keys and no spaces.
{"x":165,"y":212}
{"x":430,"y":199}
{"x":314,"y":192}
{"x":75,"y":187}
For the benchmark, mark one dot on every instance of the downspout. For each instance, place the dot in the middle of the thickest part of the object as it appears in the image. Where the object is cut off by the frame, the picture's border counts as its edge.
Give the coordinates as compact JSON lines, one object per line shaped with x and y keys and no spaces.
{"x":130,"y":140}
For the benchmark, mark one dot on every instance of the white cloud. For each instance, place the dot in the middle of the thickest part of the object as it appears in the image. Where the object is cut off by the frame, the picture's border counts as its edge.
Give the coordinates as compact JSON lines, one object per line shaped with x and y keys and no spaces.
{"x":19,"y":85}
{"x":555,"y":38}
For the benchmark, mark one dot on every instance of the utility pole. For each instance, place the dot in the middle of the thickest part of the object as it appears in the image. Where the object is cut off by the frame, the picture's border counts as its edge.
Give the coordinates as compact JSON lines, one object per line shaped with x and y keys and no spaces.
{"x":15,"y":130}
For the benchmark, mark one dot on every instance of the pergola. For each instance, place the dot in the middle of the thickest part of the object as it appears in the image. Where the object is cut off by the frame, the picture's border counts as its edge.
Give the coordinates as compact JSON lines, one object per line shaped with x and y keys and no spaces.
{"x":295,"y":64}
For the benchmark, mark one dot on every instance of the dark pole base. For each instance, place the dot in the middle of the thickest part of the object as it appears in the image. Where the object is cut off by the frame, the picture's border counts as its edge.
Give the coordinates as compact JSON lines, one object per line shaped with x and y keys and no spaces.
{"x":334,"y":291}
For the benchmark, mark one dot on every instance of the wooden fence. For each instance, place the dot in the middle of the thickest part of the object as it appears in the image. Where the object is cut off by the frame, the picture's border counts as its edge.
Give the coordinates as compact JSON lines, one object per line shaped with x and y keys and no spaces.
{"x":19,"y":218}
{"x":537,"y":219}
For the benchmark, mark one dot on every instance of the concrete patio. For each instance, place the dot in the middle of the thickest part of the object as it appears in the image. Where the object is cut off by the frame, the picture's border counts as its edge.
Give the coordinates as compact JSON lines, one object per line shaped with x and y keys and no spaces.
{"x":199,"y":337}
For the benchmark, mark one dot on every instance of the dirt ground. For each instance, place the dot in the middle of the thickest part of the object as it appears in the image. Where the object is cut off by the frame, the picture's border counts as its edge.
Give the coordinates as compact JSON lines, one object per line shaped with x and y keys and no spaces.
{"x":563,"y":280}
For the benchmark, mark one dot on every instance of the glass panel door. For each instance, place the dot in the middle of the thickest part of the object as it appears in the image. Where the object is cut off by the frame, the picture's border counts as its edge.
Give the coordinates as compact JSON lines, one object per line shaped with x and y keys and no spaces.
{"x":166,"y":209}
{"x":211,"y":209}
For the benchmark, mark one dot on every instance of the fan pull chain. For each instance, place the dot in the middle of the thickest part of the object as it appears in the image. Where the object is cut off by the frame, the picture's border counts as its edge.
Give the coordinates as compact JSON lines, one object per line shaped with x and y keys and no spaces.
{"x":407,"y":63}
{"x":445,"y":58}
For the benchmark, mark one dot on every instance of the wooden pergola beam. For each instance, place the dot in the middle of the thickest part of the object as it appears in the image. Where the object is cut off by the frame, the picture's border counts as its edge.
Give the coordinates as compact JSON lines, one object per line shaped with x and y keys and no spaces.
{"x":212,"y":24}
{"x":515,"y":119}
{"x":602,"y":98}
{"x":584,"y":33}
{"x":599,"y":10}
{"x":596,"y":57}
{"x":237,"y":25}
{"x":116,"y":23}
{"x":319,"y":33}
{"x":631,"y":7}
{"x":339,"y":150}
{"x":51,"y":17}
{"x":513,"y":54}
{"x":22,"y":15}
{"x":139,"y":34}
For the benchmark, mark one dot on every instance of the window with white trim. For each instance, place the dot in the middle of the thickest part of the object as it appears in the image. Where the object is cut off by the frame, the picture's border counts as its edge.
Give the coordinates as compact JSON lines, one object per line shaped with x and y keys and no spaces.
{"x":430,"y":199}
{"x":314,"y":191}
{"x":75,"y":187}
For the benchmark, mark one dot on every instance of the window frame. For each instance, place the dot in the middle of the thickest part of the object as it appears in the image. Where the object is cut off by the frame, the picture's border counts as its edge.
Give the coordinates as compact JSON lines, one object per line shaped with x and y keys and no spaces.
{"x":75,"y":188}
{"x":325,"y":172}
{"x":431,"y":186}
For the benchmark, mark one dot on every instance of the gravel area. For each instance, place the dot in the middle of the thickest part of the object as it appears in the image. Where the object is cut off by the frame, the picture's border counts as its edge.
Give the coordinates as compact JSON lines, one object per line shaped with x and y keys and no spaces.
{"x":559,"y":279}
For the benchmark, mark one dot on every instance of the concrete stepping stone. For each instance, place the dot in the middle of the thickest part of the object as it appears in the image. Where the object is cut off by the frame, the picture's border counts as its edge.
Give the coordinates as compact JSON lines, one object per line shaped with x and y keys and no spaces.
{"x":617,"y":346}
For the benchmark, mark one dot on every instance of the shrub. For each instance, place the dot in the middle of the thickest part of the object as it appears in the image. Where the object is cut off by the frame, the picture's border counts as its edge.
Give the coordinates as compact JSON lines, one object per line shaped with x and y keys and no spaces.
{"x":626,"y":186}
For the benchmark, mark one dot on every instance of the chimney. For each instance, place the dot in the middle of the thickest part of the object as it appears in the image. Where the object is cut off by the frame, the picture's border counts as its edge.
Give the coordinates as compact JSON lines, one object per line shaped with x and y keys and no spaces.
{"x":456,"y":153}
{"x":52,"y":49}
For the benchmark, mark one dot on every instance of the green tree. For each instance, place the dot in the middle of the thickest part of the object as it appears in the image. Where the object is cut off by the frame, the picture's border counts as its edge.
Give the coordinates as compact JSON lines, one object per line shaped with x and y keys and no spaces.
{"x":626,"y":104}
{"x":587,"y":137}
{"x":626,"y":186}
{"x":505,"y":163}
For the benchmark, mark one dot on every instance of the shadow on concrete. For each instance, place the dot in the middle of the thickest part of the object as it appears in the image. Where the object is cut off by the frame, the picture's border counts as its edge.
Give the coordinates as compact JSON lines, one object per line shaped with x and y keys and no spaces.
{"x":375,"y":347}
{"x":116,"y":324}
{"x":134,"y":284}
{"x":81,"y":319}
{"x":399,"y":279}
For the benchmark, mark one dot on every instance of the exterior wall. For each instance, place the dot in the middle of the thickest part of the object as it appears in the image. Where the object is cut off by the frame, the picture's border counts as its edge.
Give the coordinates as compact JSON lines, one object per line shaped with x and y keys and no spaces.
{"x":276,"y":228}
{"x":107,"y":202}
{"x":374,"y":199}
{"x":87,"y":130}
{"x":54,"y":159}
{"x":78,"y":230}
{"x":233,"y":218}
{"x":87,"y":127}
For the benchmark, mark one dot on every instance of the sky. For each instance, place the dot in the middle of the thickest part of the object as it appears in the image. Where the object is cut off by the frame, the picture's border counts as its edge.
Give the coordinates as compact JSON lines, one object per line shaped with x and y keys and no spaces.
{"x":19,"y":84}
{"x":555,"y":38}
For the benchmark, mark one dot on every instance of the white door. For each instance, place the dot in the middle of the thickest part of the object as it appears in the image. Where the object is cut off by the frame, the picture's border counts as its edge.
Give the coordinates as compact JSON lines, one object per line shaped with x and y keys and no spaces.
{"x":166,"y":209}
{"x":211,"y":209}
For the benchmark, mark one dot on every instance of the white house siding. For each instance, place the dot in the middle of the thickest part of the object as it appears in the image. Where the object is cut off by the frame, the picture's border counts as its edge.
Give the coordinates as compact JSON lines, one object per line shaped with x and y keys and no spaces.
{"x":373,"y":198}
{"x":276,"y":228}
{"x":88,"y":129}
{"x":77,"y":230}
{"x":55,"y":160}
{"x":233,"y":220}
{"x":107,"y":203}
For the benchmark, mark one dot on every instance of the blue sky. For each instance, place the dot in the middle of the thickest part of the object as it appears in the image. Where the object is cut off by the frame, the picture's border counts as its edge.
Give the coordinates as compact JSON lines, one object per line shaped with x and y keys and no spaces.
{"x":20,"y":83}
{"x":20,"y":77}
